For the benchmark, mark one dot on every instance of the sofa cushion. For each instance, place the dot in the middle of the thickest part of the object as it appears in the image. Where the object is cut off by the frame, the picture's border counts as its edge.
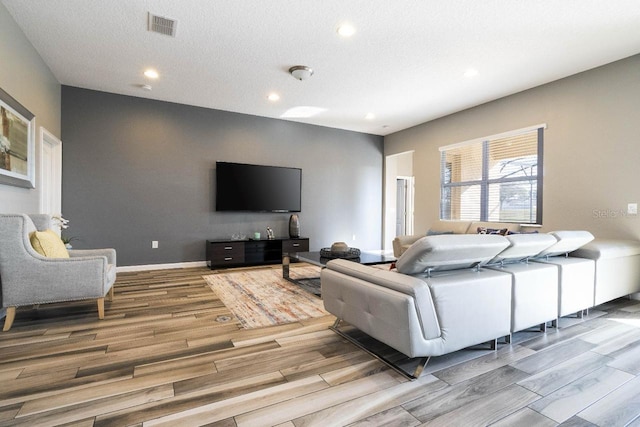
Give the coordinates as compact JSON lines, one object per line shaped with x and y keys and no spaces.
{"x":49,"y":244}
{"x":567,"y":241}
{"x":450,"y":252}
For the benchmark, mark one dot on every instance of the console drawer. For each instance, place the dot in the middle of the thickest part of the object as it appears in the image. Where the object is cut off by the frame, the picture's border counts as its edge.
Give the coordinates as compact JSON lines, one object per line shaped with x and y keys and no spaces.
{"x":236,"y":253}
{"x":227,"y":253}
{"x":224,"y":249}
{"x":295,"y":245}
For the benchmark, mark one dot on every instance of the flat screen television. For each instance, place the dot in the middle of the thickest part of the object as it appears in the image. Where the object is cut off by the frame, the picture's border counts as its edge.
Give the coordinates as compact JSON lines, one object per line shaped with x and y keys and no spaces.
{"x":257,"y":188}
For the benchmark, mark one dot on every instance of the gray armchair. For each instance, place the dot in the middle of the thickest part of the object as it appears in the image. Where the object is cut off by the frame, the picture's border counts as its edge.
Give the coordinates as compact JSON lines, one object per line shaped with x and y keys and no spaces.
{"x":28,"y":278}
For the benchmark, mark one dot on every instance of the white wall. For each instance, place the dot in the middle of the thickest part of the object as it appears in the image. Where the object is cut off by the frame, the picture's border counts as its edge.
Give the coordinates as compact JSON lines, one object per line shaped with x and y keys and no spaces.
{"x":25,"y":76}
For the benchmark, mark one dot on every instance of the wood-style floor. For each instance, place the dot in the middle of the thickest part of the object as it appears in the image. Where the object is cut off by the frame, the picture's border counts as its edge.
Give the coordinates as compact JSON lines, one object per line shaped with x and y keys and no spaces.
{"x":164,"y":355}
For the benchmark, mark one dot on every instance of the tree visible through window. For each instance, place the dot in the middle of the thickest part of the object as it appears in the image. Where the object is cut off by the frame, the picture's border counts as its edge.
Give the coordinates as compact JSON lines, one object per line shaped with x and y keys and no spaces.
{"x":497,"y":178}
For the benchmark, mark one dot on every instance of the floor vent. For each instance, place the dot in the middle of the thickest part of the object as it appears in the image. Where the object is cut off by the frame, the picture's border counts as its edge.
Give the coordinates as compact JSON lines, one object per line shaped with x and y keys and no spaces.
{"x":162,"y":25}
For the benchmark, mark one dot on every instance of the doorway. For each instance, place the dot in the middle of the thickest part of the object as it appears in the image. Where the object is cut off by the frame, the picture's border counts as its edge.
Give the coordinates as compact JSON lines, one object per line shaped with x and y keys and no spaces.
{"x":50,"y":173}
{"x":398,"y":197}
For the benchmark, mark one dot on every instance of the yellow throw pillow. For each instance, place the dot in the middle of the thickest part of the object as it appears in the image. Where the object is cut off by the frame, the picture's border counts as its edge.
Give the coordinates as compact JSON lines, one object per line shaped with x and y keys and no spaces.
{"x":49,"y":244}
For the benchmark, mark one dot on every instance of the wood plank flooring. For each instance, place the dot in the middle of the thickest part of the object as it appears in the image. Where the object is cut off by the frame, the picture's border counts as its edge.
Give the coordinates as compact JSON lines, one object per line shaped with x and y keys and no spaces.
{"x":168,"y":355}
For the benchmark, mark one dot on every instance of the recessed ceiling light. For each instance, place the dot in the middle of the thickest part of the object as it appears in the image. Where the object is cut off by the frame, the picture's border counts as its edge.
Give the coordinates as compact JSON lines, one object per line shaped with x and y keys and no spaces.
{"x":471,"y":72}
{"x":152,"y":74}
{"x":273,"y":97}
{"x":346,"y":30}
{"x":370,"y":116}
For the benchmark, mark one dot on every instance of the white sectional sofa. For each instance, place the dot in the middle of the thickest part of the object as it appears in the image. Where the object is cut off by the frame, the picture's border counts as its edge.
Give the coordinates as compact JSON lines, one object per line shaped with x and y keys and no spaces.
{"x":453,"y":291}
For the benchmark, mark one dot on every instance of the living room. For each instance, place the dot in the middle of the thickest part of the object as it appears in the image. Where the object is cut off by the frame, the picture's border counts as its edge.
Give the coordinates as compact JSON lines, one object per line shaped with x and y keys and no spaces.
{"x":138,"y":169}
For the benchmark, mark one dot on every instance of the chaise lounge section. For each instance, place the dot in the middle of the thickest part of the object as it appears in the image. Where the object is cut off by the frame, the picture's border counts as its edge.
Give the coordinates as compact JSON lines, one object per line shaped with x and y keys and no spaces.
{"x":617,"y":267}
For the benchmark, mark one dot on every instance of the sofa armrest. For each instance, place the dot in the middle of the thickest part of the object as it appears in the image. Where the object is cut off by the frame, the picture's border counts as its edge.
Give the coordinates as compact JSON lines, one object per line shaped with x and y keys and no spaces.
{"x":385,"y":314}
{"x":402,"y":243}
{"x":341,"y":271}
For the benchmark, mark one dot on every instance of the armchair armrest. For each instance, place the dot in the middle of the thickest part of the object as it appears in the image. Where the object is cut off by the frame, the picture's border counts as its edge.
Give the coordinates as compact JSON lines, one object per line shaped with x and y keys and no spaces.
{"x":109,"y":253}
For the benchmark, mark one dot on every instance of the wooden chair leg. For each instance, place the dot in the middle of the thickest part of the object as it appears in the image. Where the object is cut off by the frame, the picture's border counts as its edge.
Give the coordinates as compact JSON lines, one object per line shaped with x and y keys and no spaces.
{"x":101,"y":308}
{"x":111,"y":292}
{"x":8,"y":321}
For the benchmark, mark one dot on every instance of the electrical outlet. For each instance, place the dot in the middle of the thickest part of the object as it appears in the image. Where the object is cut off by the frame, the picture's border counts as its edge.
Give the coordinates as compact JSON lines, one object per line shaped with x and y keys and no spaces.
{"x":154,"y":244}
{"x":632,"y":209}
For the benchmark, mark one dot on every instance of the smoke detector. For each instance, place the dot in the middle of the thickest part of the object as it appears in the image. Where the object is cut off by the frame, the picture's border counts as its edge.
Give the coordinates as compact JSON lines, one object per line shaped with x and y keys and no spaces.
{"x":162,"y":25}
{"x":301,"y":72}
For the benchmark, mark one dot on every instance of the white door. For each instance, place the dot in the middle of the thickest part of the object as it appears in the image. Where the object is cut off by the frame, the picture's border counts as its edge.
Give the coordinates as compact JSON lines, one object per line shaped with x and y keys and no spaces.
{"x":50,"y":173}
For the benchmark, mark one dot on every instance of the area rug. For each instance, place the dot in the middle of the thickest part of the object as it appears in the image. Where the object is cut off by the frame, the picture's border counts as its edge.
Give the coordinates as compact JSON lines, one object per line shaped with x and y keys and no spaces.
{"x":261,"y":297}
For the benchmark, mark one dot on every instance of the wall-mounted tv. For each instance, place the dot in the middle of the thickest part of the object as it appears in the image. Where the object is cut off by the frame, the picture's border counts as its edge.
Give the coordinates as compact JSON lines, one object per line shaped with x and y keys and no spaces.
{"x":257,"y":188}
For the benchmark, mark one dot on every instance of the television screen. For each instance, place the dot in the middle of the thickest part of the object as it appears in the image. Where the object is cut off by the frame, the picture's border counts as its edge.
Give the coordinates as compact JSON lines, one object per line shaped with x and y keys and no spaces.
{"x":242,"y":187}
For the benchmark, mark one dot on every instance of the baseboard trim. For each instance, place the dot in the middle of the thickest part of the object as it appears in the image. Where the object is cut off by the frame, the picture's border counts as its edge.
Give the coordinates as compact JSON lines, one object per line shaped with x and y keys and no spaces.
{"x":133,"y":268}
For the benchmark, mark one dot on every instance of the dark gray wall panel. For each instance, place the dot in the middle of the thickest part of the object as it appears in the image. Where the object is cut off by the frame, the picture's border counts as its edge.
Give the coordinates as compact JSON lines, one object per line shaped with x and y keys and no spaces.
{"x":137,"y":170}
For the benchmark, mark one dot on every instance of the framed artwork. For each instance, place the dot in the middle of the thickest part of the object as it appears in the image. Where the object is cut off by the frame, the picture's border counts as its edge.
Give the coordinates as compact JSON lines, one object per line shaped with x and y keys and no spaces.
{"x":17,"y":143}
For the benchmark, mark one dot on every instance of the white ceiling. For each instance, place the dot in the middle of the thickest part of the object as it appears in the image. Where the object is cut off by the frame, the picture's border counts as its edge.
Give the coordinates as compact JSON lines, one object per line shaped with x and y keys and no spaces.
{"x":404,"y":64}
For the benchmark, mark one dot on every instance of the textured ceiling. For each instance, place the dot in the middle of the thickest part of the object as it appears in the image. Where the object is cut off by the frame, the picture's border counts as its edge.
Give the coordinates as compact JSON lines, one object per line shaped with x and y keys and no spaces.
{"x":405,"y":63}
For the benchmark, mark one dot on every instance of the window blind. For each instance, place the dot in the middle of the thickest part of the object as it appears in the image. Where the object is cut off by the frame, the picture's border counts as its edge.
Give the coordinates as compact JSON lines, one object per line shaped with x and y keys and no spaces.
{"x":495,"y":178}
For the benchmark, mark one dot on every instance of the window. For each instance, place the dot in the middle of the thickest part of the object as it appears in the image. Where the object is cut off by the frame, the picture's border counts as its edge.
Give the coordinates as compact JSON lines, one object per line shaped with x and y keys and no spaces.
{"x":497,"y":178}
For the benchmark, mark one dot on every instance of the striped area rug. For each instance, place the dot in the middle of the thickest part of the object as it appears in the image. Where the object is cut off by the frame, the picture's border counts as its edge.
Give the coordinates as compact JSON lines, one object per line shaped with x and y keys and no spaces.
{"x":261,"y":297}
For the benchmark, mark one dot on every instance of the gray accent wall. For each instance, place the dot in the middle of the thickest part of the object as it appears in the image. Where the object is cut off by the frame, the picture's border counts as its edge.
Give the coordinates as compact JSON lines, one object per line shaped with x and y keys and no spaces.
{"x":137,"y":170}
{"x":591,"y":148}
{"x":25,"y":76}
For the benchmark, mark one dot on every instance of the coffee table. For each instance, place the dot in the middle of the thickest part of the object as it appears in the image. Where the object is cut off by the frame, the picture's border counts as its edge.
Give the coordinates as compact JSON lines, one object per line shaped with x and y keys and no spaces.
{"x":312,"y":284}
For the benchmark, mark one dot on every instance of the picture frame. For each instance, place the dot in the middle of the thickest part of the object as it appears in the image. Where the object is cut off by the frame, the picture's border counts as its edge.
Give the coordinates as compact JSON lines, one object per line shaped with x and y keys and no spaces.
{"x":17,"y":143}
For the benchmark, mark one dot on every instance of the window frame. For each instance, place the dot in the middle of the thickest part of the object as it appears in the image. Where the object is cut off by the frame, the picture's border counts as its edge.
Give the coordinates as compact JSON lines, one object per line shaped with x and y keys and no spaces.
{"x":485,"y":181}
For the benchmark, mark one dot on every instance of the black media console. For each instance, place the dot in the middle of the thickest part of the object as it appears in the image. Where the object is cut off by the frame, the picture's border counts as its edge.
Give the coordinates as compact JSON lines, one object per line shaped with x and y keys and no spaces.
{"x":238,"y":253}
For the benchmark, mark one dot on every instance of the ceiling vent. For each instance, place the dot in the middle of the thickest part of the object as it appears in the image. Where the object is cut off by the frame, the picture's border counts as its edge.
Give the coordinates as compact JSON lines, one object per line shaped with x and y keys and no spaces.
{"x":162,"y":25}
